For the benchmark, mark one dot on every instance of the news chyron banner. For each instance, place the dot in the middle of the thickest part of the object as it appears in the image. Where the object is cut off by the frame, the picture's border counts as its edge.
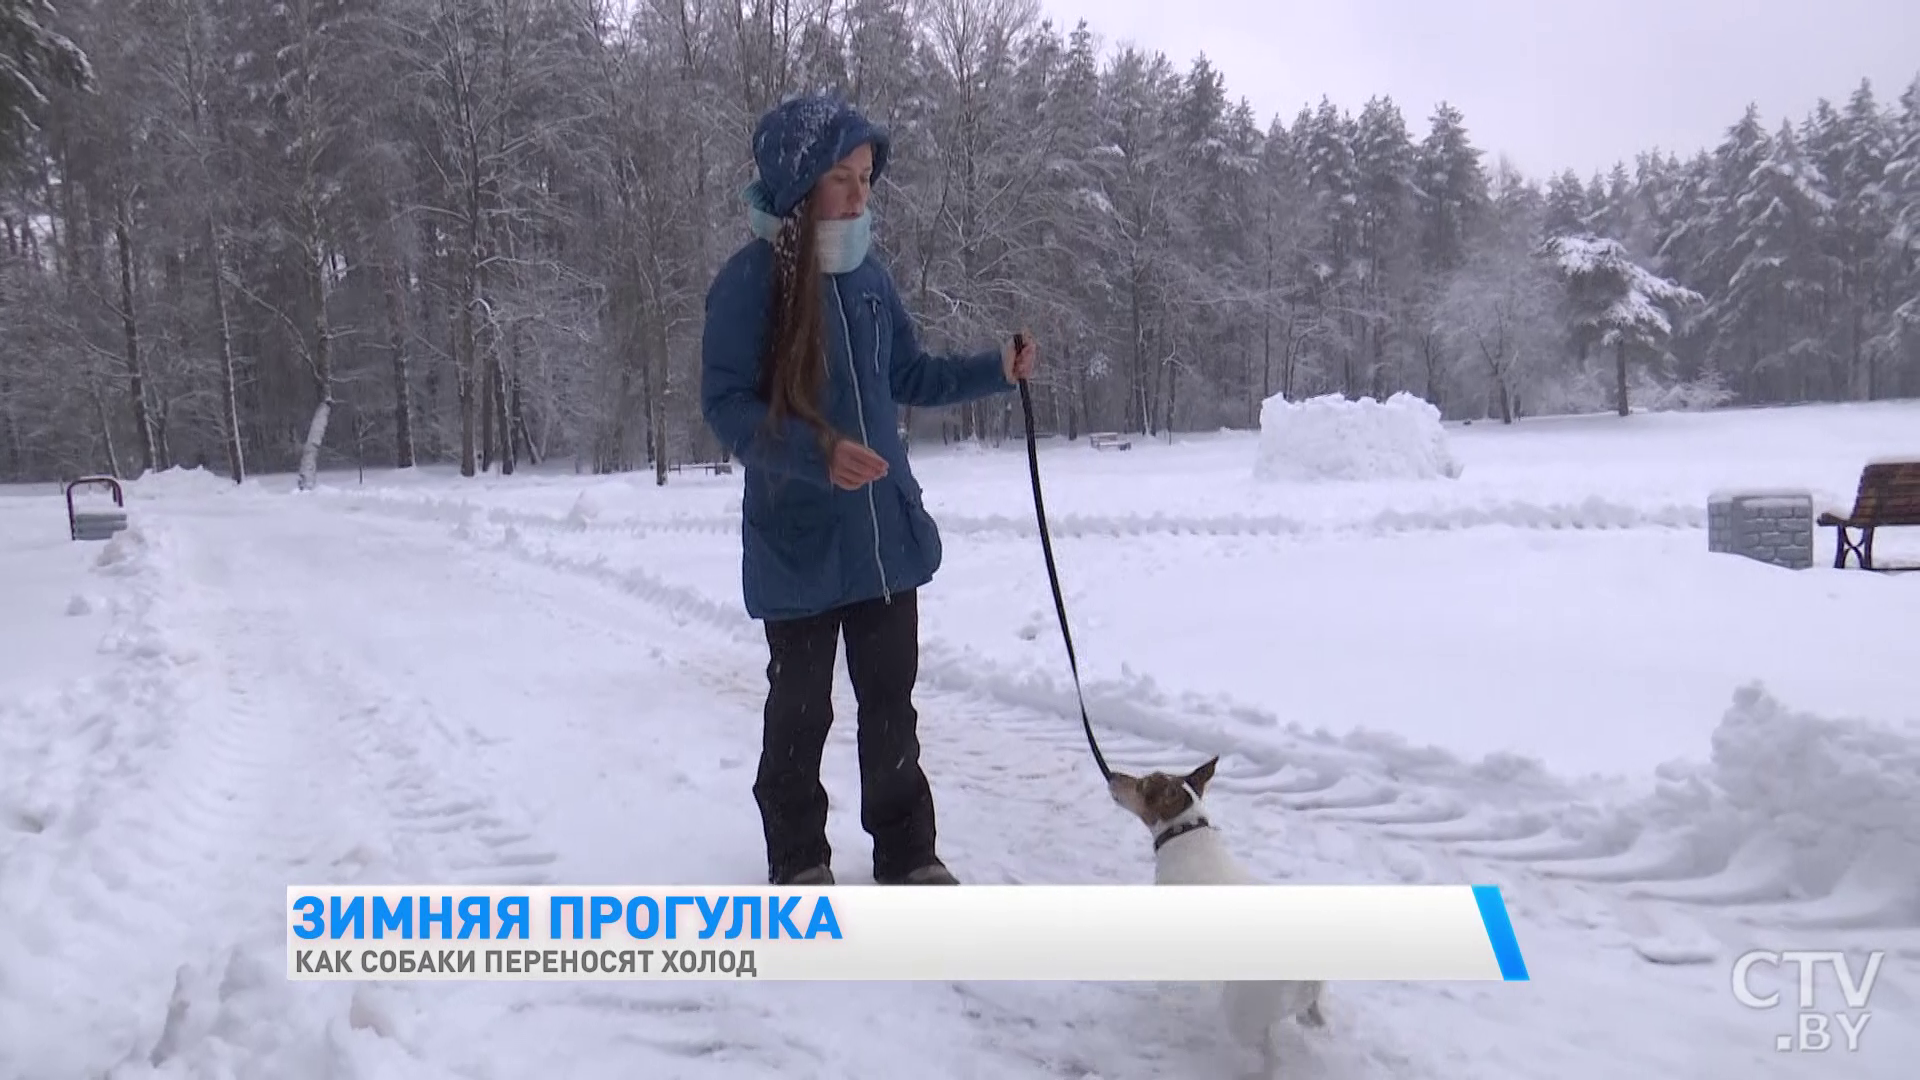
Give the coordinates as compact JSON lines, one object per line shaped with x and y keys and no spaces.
{"x":903,"y":933}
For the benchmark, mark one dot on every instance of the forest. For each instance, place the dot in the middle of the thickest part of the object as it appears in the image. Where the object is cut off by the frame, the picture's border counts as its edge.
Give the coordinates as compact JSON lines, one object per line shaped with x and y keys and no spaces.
{"x":308,"y":234}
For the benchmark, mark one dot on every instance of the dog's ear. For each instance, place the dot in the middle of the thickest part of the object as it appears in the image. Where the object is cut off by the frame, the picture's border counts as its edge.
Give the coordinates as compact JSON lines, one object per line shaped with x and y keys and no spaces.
{"x":1200,"y":777}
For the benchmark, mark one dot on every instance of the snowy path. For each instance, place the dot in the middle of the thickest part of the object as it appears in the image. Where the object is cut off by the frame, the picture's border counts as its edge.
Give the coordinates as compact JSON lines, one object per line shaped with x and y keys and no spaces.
{"x":343,"y":689}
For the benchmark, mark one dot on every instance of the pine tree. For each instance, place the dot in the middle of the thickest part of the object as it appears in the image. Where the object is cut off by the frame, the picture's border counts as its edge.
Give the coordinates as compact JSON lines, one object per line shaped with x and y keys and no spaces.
{"x":1862,"y":219}
{"x":1288,"y":304}
{"x":34,"y":59}
{"x":1705,"y":225}
{"x":1654,"y":197}
{"x":1139,"y":175}
{"x":1385,"y":200}
{"x":1901,"y":190}
{"x":1616,"y":215}
{"x":1077,"y":231}
{"x":1769,"y":308}
{"x":1567,"y":206}
{"x":1616,"y":302}
{"x":1451,"y":189}
{"x":1595,"y":220}
{"x":1326,"y":143}
{"x":1205,"y":209}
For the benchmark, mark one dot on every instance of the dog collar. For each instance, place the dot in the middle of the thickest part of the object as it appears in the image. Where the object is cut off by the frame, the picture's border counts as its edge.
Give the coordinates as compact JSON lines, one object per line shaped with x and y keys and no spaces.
{"x":1179,"y":830}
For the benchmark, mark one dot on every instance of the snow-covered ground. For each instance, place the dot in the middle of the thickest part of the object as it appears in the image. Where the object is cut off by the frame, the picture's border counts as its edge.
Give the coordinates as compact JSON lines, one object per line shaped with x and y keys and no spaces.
{"x":1534,"y":675}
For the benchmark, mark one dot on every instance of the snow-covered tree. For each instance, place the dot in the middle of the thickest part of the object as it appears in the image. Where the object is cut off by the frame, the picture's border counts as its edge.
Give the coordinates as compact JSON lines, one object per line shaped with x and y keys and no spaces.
{"x":1852,"y":167}
{"x":34,"y":58}
{"x":1498,"y":311}
{"x":1569,"y":210}
{"x":478,"y":233}
{"x":1451,"y":189}
{"x":1901,"y":189}
{"x":1386,"y":238}
{"x":1771,"y":305}
{"x":1615,"y":302}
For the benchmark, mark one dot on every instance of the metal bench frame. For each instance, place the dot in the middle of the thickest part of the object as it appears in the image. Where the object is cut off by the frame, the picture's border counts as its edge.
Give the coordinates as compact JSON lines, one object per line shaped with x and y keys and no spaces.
{"x":1883,"y":483}
{"x":716,"y":468}
{"x":75,"y":518}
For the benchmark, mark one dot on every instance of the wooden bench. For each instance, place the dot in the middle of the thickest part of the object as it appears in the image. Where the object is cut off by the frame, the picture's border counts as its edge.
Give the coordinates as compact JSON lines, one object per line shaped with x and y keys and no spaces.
{"x":96,"y":524}
{"x":1889,"y":495}
{"x":717,"y":468}
{"x":1108,"y":440}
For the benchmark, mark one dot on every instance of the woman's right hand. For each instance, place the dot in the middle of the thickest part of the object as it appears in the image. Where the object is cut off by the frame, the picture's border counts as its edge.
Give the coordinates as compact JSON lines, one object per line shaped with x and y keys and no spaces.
{"x":852,"y":465}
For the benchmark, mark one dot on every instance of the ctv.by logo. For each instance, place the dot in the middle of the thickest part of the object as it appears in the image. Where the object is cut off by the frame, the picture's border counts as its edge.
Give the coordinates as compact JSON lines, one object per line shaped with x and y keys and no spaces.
{"x":1813,"y":1029}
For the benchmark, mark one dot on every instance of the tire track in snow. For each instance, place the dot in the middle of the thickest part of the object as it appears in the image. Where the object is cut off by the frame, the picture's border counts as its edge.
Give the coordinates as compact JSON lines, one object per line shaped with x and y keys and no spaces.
{"x":229,"y":755}
{"x":991,"y":783}
{"x":1591,"y":514}
{"x":462,"y":604}
{"x":1500,"y":811}
{"x":1031,"y":803}
{"x":1350,"y":774}
{"x":151,"y":888}
{"x":398,"y":758}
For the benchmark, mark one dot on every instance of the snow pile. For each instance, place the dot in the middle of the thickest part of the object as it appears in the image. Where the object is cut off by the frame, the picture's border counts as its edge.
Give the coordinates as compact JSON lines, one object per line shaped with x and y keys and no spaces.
{"x":1331,"y":438}
{"x":1800,"y":807}
{"x":121,"y":555}
{"x":179,"y":481}
{"x":586,"y":510}
{"x":128,"y":947}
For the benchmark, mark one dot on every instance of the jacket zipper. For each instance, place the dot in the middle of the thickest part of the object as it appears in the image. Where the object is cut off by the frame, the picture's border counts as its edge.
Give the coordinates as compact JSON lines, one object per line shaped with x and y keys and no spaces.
{"x":853,"y":369}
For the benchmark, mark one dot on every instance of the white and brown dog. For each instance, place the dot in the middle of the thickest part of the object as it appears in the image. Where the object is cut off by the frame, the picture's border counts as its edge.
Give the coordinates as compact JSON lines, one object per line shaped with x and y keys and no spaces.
{"x":1188,"y":850}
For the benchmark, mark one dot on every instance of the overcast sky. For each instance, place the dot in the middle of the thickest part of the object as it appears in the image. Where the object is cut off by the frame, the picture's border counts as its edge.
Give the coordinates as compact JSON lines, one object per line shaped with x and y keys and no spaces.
{"x":1552,"y":83}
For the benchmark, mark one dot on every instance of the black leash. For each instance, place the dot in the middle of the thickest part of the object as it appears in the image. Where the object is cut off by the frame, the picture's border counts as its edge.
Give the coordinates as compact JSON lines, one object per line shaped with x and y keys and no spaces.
{"x":1053,"y":572}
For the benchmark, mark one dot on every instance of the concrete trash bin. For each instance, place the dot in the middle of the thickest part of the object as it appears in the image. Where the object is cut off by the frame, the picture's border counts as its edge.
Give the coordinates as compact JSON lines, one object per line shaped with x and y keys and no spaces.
{"x":1772,"y":526}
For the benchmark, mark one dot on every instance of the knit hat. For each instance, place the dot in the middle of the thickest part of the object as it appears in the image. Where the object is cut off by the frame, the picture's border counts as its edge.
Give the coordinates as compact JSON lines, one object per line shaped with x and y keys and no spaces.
{"x":798,"y":140}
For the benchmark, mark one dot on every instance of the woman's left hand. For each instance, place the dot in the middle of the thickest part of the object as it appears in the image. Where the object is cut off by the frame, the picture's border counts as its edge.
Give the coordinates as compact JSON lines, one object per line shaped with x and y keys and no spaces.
{"x":1020,"y":365}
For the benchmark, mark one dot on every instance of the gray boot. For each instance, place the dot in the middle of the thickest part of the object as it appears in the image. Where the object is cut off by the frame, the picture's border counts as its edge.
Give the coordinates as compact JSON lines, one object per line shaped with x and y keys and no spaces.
{"x":931,"y":874}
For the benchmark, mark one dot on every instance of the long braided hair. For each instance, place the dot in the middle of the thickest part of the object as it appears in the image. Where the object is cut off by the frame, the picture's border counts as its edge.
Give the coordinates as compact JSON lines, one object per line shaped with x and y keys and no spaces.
{"x":793,"y":370}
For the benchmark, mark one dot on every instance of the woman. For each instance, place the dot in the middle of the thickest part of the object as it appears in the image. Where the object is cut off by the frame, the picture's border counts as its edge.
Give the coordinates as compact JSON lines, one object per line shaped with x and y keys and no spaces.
{"x":806,"y":354}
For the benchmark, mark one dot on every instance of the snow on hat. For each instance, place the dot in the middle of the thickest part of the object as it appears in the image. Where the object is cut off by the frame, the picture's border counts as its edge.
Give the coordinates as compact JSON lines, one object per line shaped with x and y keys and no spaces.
{"x":798,"y":140}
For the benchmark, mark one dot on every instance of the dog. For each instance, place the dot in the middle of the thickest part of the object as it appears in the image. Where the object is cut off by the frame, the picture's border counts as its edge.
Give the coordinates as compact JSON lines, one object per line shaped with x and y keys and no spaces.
{"x":1188,"y":850}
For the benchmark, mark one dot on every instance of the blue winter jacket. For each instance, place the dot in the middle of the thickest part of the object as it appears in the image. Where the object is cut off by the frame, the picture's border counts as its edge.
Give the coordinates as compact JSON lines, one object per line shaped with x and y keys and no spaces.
{"x":808,"y":546}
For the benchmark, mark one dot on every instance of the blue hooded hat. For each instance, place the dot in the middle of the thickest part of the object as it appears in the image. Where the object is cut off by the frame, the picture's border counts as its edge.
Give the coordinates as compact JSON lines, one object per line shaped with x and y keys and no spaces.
{"x":798,"y":140}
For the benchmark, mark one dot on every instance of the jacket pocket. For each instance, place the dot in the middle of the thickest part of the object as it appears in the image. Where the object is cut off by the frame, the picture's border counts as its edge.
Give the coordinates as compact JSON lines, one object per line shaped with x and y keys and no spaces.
{"x":791,"y":563}
{"x":920,"y":525}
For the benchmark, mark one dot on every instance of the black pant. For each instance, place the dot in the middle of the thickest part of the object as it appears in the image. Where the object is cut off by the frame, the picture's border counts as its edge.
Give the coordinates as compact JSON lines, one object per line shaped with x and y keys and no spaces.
{"x":896,"y":804}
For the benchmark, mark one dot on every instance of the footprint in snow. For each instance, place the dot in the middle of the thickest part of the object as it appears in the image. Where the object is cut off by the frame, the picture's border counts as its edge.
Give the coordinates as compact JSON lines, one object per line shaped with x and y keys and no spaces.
{"x":22,"y":820}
